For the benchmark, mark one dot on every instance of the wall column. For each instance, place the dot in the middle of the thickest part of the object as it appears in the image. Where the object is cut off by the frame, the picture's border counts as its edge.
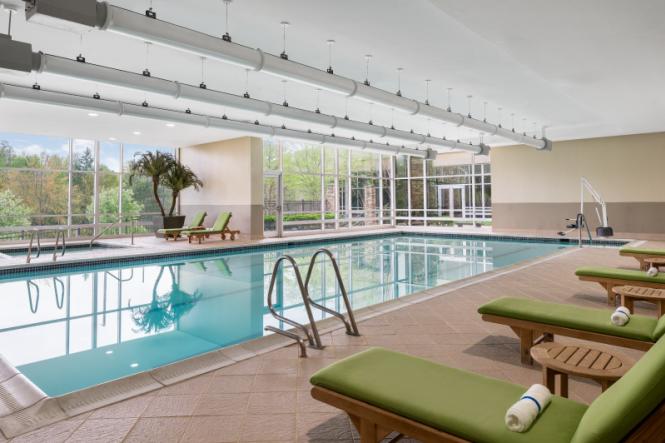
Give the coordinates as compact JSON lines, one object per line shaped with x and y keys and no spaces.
{"x":232,"y":175}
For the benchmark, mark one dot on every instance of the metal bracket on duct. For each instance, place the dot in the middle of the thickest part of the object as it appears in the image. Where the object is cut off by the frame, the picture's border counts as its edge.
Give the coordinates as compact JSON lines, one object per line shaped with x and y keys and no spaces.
{"x":120,"y":108}
{"x":121,"y":21}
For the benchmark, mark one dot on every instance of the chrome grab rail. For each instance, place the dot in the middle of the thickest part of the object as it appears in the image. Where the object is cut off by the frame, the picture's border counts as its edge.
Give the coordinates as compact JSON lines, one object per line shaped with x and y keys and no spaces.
{"x":351,"y":326}
{"x":59,"y":233}
{"x":313,"y":338}
{"x":34,"y":233}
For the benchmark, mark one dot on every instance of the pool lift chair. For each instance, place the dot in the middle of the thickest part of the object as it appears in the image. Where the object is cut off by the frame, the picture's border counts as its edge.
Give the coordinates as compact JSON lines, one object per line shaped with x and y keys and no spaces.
{"x":580,"y":223}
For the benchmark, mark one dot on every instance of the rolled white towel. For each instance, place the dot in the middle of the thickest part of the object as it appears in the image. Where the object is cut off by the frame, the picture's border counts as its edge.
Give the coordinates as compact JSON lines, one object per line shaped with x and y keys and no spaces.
{"x":521,"y":415}
{"x":620,"y":316}
{"x":652,"y":272}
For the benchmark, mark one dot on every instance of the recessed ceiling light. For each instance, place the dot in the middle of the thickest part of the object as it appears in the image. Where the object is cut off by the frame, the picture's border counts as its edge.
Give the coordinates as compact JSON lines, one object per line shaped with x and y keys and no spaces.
{"x":136,"y":132}
{"x":170,"y":125}
{"x":112,"y":139}
{"x":93,"y":114}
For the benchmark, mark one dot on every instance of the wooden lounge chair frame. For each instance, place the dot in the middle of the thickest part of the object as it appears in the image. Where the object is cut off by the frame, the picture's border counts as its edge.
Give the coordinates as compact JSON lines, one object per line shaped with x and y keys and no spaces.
{"x":200,"y":235}
{"x":531,"y":333}
{"x":374,"y":424}
{"x":641,"y":258}
{"x":610,"y":283}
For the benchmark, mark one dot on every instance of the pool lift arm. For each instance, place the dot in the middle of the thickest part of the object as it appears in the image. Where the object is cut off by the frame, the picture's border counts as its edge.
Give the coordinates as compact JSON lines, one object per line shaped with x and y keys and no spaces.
{"x":604,"y":230}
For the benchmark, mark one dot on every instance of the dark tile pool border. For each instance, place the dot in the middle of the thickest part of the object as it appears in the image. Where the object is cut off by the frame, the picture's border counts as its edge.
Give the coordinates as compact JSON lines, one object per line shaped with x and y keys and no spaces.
{"x":151,"y":258}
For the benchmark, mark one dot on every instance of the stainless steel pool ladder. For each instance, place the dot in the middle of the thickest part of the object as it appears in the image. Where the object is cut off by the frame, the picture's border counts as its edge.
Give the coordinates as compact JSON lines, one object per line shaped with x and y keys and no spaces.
{"x":312,"y":337}
{"x":60,"y":233}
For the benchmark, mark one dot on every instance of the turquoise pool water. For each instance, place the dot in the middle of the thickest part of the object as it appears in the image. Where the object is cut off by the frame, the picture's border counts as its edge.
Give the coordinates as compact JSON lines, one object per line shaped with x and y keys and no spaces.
{"x":70,"y":330}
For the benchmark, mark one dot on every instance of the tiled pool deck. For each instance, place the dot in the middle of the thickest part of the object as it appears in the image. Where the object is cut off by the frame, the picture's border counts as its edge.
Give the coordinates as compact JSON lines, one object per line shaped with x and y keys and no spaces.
{"x":266,"y":397}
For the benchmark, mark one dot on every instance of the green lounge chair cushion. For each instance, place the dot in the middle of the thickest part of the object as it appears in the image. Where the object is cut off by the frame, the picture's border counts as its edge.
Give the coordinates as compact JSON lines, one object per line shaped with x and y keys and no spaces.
{"x":220,"y":225}
{"x":643,"y":251}
{"x":468,"y":405}
{"x":640,"y":327}
{"x":627,"y":402}
{"x":620,"y":274}
{"x":197,"y":221}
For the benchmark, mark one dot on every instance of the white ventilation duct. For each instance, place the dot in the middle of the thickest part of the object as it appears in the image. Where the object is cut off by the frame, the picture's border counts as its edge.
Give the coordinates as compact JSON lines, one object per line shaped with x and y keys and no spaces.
{"x":122,"y":21}
{"x":44,"y":63}
{"x":119,"y":108}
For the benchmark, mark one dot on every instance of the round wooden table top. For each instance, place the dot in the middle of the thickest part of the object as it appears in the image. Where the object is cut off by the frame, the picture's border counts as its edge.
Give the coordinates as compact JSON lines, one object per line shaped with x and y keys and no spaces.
{"x":599,"y":364}
{"x":640,"y":292}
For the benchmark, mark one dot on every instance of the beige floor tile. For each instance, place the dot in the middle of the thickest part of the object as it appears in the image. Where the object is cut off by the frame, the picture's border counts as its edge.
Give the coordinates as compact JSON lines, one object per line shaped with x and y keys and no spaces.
{"x":222,"y":404}
{"x":55,"y":433}
{"x":213,"y":429}
{"x":171,"y":406}
{"x":133,"y":407}
{"x":324,"y":427}
{"x":272,"y":403}
{"x":269,"y":427}
{"x":161,"y":430}
{"x":224,"y":384}
{"x":273,"y":383}
{"x":103,"y":430}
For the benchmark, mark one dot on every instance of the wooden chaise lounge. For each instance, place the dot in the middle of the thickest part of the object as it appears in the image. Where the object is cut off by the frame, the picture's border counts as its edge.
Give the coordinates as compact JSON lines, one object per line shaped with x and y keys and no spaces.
{"x":642,"y":255}
{"x":384,"y":391}
{"x":174,"y":233}
{"x":609,"y":278}
{"x":221,"y":227}
{"x":535,"y":321}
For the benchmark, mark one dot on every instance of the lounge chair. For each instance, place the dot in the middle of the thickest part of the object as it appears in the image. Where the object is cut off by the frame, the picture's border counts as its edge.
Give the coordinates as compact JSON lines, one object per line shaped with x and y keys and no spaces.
{"x":220,"y":227}
{"x":608,"y":278}
{"x":384,"y":391}
{"x":197,"y":223}
{"x":642,"y":254}
{"x":535,"y":321}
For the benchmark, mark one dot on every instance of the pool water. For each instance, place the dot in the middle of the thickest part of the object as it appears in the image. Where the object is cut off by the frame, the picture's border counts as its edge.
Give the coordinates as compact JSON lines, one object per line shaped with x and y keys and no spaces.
{"x":76,"y":329}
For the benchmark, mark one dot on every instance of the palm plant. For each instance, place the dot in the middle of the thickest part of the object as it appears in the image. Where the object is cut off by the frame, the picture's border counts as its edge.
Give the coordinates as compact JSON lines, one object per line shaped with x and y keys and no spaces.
{"x":177,"y":178}
{"x":154,"y":165}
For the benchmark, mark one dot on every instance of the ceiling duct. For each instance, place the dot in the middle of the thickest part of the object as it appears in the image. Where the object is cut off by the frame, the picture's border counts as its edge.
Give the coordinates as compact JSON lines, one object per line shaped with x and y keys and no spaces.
{"x":44,"y":63}
{"x":125,"y":22}
{"x":120,"y":108}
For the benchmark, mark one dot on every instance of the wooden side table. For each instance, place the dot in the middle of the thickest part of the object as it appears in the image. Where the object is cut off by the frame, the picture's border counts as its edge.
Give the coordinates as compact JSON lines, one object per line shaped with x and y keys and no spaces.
{"x":560,"y":360}
{"x":631,"y":293}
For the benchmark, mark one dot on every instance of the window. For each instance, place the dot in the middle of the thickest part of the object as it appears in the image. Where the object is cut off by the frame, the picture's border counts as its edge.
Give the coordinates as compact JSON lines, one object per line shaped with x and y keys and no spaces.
{"x":68,"y":183}
{"x":326,"y":187}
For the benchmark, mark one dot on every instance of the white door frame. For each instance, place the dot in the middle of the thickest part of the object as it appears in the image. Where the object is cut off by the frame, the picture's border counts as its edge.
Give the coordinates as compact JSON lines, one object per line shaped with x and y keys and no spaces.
{"x":448,"y":191}
{"x":279,"y":224}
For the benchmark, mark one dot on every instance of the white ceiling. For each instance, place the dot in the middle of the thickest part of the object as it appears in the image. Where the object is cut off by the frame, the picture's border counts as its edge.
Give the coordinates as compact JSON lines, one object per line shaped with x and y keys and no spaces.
{"x":584,"y":69}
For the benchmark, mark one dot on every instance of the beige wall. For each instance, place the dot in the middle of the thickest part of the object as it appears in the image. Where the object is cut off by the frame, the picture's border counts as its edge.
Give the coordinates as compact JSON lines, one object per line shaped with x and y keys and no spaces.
{"x":536,"y":190}
{"x":232,"y":174}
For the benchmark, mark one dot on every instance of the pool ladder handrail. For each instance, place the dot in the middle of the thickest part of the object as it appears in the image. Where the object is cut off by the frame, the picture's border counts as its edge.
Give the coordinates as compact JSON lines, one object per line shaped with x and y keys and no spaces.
{"x":312,"y":338}
{"x":60,"y":233}
{"x":350,"y":325}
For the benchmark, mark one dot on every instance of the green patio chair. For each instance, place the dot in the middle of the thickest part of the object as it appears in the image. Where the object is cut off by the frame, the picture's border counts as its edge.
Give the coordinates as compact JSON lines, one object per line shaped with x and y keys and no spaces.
{"x":197,"y":223}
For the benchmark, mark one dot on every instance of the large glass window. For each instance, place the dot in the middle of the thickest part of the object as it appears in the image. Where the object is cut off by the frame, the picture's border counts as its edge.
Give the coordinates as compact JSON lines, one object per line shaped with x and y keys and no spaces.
{"x":78,"y":185}
{"x":326,"y":187}
{"x":454,"y":188}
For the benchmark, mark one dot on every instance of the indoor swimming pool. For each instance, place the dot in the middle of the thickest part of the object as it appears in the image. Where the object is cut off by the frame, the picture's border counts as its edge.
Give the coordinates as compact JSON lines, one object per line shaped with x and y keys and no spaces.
{"x":68,"y":330}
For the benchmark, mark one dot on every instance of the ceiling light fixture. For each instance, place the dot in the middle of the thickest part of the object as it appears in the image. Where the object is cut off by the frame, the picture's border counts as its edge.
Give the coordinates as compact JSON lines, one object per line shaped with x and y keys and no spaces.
{"x":330,"y":43}
{"x":285,"y":25}
{"x":93,"y":114}
{"x":226,"y":37}
{"x":170,"y":125}
{"x":136,"y":132}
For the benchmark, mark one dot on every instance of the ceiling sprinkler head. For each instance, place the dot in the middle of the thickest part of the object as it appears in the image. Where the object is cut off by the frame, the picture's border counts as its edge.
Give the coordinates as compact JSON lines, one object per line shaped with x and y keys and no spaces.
{"x":146,"y":72}
{"x":188,"y":111}
{"x":36,"y":86}
{"x":203,"y":85}
{"x":150,"y":13}
{"x":80,"y":58}
{"x":246,"y":94}
{"x":96,"y":96}
{"x":224,"y":117}
{"x":144,"y":104}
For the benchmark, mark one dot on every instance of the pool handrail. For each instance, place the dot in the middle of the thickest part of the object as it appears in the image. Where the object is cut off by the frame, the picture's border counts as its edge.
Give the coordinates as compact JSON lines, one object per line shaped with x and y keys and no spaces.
{"x":313,"y":338}
{"x":351,"y":326}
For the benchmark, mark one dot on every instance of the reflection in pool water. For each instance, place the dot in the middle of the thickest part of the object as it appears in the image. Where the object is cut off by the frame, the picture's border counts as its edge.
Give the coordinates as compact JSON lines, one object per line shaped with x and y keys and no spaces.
{"x":72,"y":330}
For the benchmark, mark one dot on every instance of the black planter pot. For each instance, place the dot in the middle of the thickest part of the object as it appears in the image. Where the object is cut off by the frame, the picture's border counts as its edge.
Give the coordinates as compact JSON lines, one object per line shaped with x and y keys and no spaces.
{"x":168,"y":222}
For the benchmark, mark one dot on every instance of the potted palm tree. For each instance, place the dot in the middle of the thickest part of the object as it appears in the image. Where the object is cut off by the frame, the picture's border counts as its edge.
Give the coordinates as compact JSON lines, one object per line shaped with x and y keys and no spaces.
{"x":178,"y":178}
{"x":163,"y":169}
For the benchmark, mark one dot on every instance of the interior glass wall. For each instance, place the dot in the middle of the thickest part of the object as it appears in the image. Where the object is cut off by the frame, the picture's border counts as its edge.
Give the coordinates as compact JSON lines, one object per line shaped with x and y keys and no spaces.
{"x":326,"y":187}
{"x":452,"y":189}
{"x":72,"y":184}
